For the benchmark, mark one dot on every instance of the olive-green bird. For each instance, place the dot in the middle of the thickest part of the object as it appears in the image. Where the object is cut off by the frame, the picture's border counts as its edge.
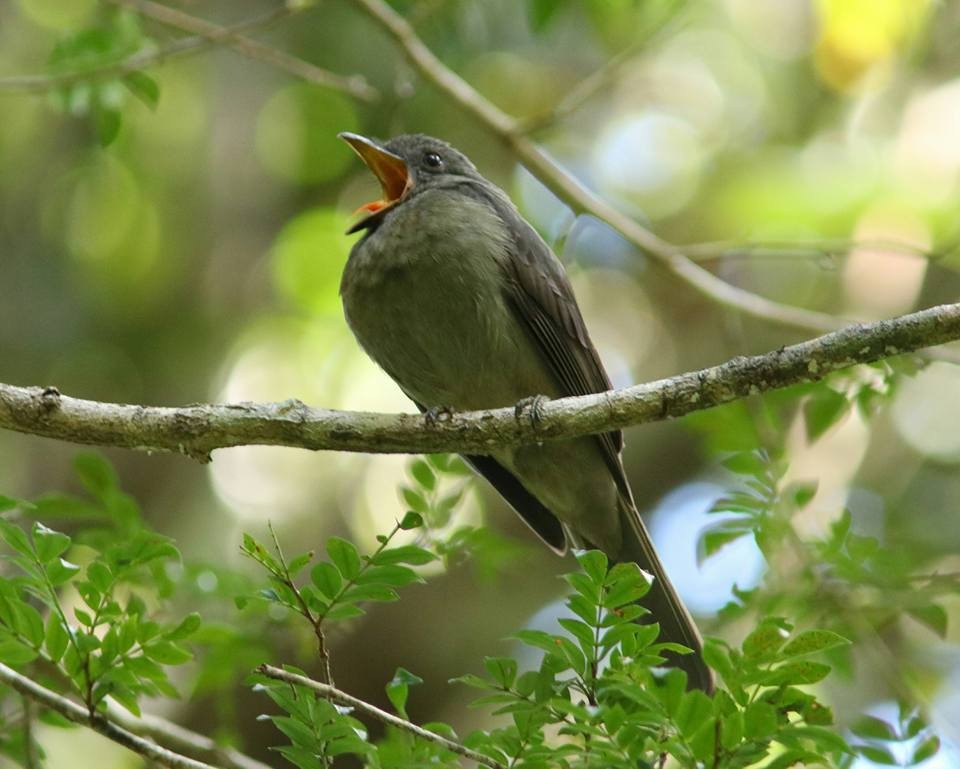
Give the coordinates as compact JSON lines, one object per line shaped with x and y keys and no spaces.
{"x":462,"y":303}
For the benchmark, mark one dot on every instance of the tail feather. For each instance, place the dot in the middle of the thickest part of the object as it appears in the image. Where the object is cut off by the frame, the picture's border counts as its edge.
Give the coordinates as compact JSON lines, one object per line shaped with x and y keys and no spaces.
{"x":667,"y":608}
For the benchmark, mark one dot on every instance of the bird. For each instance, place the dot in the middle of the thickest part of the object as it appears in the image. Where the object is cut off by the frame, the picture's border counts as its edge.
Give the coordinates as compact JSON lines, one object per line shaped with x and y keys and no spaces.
{"x":462,"y":303}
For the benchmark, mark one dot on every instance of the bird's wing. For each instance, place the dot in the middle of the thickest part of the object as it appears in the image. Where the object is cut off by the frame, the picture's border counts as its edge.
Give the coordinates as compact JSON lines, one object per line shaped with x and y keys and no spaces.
{"x":540,"y":293}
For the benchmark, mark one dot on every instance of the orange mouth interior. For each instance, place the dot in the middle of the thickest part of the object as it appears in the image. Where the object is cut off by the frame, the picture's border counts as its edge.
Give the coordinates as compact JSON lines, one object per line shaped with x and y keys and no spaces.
{"x":391,"y":171}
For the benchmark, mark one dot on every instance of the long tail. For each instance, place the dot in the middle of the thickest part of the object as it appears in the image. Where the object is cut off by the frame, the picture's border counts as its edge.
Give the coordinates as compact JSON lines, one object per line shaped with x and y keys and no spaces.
{"x":667,"y":608}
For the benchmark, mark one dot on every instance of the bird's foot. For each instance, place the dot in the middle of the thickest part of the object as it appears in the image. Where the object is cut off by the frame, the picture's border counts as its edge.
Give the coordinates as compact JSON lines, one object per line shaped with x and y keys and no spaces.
{"x":534,"y":404}
{"x":436,"y":414}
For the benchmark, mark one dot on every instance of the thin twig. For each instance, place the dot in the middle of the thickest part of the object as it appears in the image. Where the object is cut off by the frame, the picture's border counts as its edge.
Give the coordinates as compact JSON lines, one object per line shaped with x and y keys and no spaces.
{"x":568,"y":189}
{"x":30,"y":757}
{"x":182,"y":740}
{"x":582,"y":92}
{"x":205,"y":37}
{"x":596,"y":81}
{"x":335,"y":694}
{"x":140,"y":60}
{"x":316,"y":622}
{"x":354,"y":85}
{"x":79,"y":715}
{"x":195,"y":431}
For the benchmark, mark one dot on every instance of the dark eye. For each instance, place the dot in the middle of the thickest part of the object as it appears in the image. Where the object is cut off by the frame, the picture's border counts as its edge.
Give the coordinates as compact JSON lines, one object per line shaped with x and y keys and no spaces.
{"x":433,"y":160}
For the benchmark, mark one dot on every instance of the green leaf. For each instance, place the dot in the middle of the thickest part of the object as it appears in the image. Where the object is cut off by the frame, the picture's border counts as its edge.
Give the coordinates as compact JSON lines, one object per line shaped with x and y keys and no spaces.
{"x":873,"y":728}
{"x":796,"y":673}
{"x":713,"y":539}
{"x":411,"y":520}
{"x":423,"y":475}
{"x":373,"y":592}
{"x":100,"y":576}
{"x":61,"y":571}
{"x":542,"y":13}
{"x":144,"y":87}
{"x":167,"y":653}
{"x":502,"y":670}
{"x":187,"y":627}
{"x":398,"y":688}
{"x":15,"y":537}
{"x":799,"y":494}
{"x":48,"y":543}
{"x":746,"y":463}
{"x":812,"y":642}
{"x":594,"y":563}
{"x":297,"y":564}
{"x":759,"y":720}
{"x":390,"y":574}
{"x":933,"y":616}
{"x":107,"y":122}
{"x":876,"y":754}
{"x":95,"y":473}
{"x":259,"y":553}
{"x":411,"y":554}
{"x":343,"y":611}
{"x":716,"y":655}
{"x":927,"y":749}
{"x":414,"y":500}
{"x":15,"y":652}
{"x":826,"y":740}
{"x":765,"y":640}
{"x":326,"y":577}
{"x":345,"y":556}
{"x":56,"y":638}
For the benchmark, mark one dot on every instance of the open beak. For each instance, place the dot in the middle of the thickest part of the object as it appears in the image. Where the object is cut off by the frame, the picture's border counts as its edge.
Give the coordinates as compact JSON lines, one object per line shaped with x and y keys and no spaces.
{"x":390,"y":170}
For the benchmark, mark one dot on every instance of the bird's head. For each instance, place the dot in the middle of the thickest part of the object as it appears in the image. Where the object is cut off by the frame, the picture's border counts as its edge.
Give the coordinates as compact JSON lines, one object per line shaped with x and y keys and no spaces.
{"x":404,"y":166}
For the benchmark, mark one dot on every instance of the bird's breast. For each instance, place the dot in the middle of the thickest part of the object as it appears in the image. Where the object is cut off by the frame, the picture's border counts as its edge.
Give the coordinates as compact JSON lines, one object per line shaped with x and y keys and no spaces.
{"x":424,"y":296}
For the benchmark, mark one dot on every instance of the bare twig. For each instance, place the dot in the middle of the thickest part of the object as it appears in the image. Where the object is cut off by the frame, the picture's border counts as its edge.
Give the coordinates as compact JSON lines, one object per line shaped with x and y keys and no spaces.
{"x":359,"y":705}
{"x":583,"y":91}
{"x":30,"y":757}
{"x":354,"y":85}
{"x":79,"y":715}
{"x":197,"y":430}
{"x":205,"y":36}
{"x":596,"y":81}
{"x":182,"y":740}
{"x":140,"y":60}
{"x":572,"y":192}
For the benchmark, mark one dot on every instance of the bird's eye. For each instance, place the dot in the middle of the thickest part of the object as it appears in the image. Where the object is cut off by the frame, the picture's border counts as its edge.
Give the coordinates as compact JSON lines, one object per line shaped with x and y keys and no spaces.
{"x":433,"y":160}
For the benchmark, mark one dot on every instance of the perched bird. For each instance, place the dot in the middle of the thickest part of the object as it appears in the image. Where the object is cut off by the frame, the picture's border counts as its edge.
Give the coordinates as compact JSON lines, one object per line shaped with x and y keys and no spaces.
{"x":464,"y":305}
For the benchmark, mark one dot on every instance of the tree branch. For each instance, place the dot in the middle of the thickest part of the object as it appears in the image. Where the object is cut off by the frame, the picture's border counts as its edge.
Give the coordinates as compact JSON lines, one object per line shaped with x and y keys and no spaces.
{"x":197,"y":430}
{"x":354,"y":85}
{"x":568,"y":189}
{"x":79,"y":715}
{"x":206,"y":36}
{"x":182,"y":740}
{"x":343,"y":698}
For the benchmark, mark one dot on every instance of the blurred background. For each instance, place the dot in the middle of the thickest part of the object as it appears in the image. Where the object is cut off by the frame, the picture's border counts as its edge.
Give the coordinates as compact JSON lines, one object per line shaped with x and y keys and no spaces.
{"x":197,"y":258}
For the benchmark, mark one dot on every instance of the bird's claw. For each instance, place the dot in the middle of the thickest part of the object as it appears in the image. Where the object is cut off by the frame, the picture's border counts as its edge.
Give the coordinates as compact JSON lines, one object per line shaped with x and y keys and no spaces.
{"x":535,"y":404}
{"x":436,"y":414}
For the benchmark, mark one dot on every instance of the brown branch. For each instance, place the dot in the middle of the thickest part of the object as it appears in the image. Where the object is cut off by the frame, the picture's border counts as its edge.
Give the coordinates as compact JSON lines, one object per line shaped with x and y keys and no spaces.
{"x":197,"y":430}
{"x":79,"y":715}
{"x":572,"y":192}
{"x":182,"y":740}
{"x":359,"y":705}
{"x":354,"y":85}
{"x":206,"y":36}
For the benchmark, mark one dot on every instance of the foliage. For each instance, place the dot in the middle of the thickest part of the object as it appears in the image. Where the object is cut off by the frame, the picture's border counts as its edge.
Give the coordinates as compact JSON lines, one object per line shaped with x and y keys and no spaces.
{"x":600,"y":699}
{"x":117,"y":38}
